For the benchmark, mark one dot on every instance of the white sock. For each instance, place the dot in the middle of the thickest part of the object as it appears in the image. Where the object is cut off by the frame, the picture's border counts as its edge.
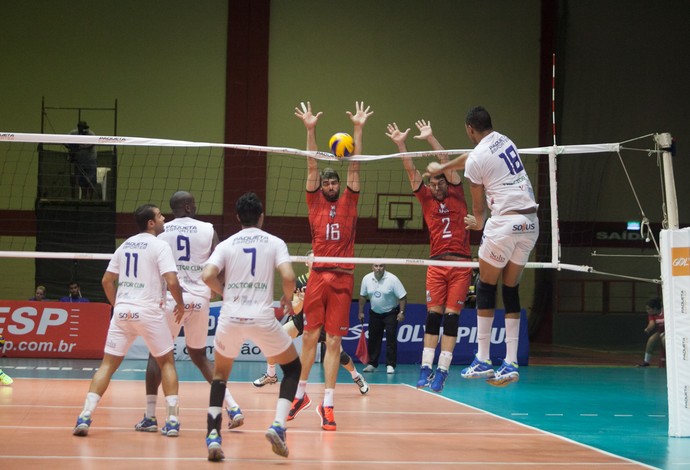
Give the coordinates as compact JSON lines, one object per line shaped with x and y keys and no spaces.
{"x":91,"y":402}
{"x":512,"y":333}
{"x":271,"y":369}
{"x":484,"y":325}
{"x":328,"y":397}
{"x":151,"y":405}
{"x":173,"y":405}
{"x":282,"y":409}
{"x":354,"y":373}
{"x":428,"y":356}
{"x":444,"y":360}
{"x":647,"y":357}
{"x":231,"y":403}
{"x":301,"y":389}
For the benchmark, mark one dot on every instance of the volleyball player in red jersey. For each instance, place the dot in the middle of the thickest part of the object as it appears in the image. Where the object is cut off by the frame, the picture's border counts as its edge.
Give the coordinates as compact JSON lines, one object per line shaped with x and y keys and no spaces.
{"x":333,"y":220}
{"x":444,"y":208}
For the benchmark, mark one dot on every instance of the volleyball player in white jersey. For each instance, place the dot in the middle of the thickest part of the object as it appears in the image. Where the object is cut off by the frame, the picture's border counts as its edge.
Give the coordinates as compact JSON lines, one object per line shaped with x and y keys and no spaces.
{"x":248,"y":260}
{"x":498,"y":181}
{"x":135,"y":283}
{"x":192,"y":242}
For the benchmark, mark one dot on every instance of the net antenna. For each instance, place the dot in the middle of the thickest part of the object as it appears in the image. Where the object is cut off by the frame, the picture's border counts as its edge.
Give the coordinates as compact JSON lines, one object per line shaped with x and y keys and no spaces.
{"x":553,"y":196}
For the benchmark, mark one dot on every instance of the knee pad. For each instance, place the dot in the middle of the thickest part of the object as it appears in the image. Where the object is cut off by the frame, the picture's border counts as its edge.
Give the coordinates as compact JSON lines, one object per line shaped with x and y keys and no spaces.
{"x":433,"y":323}
{"x":450,"y":324}
{"x":344,"y":358}
{"x":291,"y":373}
{"x":511,"y":298}
{"x":486,"y":295}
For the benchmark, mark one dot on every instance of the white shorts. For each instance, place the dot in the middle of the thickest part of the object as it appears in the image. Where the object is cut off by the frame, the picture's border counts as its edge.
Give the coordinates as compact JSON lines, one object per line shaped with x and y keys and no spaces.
{"x":129,"y":321}
{"x":266,"y":333}
{"x":195,"y":320}
{"x":509,"y":238}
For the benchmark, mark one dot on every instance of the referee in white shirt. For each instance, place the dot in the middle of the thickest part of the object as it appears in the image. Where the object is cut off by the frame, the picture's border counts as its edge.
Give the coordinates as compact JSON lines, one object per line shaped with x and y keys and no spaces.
{"x":388,"y":300}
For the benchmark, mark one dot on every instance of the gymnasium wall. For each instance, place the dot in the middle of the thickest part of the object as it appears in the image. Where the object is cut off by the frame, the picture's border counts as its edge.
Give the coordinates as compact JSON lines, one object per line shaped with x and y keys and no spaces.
{"x":621,"y":75}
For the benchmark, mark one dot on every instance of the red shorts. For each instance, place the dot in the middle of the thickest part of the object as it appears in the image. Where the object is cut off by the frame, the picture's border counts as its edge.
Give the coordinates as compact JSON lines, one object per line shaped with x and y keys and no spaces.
{"x":327,"y":302}
{"x":447,"y":287}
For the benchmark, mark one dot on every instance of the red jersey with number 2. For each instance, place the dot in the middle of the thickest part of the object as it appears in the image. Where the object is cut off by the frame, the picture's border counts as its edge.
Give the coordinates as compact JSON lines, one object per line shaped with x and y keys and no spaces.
{"x":333,"y":226}
{"x":445,"y":220}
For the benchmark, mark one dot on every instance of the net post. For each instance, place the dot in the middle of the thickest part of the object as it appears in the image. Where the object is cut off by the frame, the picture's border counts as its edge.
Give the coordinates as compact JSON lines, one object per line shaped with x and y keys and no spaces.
{"x":666,"y":143}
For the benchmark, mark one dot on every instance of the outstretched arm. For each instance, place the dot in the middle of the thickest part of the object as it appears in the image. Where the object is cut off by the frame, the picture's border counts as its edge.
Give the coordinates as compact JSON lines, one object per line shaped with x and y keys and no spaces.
{"x":435,"y":168}
{"x":398,"y":137}
{"x":310,"y":119}
{"x":426,"y":133}
{"x":358,"y":120}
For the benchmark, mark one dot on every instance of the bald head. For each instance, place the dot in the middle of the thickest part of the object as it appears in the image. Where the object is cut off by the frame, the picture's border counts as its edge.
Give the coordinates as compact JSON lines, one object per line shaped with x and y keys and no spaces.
{"x":183,"y":204}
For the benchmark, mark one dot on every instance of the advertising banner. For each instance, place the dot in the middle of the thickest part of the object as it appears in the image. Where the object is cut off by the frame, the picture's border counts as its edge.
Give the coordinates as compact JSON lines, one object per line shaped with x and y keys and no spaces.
{"x":675,"y":273}
{"x":78,"y":331}
{"x":54,"y":329}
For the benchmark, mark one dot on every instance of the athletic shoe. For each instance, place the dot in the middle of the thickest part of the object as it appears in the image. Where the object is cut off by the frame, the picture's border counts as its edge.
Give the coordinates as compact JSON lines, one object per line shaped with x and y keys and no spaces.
{"x":390,"y":370}
{"x":507,"y":373}
{"x":171,"y":427}
{"x":426,"y":375}
{"x":643,"y":364}
{"x":147,"y":424}
{"x":265,"y":380}
{"x":298,"y":404}
{"x":5,"y":379}
{"x":276,"y":436}
{"x":83,"y":424}
{"x":478,"y":370}
{"x":235,"y":417}
{"x":439,"y":380}
{"x":327,"y":417}
{"x":213,"y":441}
{"x":369,"y":368}
{"x":361,"y":383}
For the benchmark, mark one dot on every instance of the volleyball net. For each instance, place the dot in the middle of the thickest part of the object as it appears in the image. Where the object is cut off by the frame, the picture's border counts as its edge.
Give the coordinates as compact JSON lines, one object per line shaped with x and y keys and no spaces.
{"x":45,"y":211}
{"x":50,"y":220}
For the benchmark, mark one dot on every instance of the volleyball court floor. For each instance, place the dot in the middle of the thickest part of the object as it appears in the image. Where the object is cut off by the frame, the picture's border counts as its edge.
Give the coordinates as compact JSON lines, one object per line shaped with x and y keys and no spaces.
{"x":556,"y":416}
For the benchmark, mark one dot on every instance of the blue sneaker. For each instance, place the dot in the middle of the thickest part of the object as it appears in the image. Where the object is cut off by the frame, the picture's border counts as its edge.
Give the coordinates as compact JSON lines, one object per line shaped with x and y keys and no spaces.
{"x":439,"y":380}
{"x":506,"y":374}
{"x":425,"y":377}
{"x":83,"y":424}
{"x":478,"y":370}
{"x":213,"y":441}
{"x":147,"y":424}
{"x":171,"y":427}
{"x":235,"y":417}
{"x":276,"y":436}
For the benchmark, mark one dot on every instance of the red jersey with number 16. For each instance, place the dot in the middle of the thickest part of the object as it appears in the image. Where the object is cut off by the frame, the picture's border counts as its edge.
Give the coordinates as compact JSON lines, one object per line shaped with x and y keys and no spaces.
{"x":445,"y":220}
{"x":333,"y":226}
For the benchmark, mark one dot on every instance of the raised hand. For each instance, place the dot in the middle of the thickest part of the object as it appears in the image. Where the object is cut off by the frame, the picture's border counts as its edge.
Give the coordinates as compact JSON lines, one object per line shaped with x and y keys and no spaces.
{"x":361,"y":114}
{"x":395,"y":134}
{"x":424,"y":128}
{"x":304,"y":113}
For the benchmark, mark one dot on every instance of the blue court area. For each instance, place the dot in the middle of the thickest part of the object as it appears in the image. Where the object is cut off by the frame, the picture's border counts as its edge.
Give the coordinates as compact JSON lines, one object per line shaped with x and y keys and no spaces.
{"x":621,"y":410}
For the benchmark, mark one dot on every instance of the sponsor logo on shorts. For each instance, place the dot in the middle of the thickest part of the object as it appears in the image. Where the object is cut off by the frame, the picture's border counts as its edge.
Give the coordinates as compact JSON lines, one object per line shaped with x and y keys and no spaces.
{"x":497,"y":257}
{"x":525,"y":227}
{"x":680,"y":264}
{"x":684,"y":347}
{"x":683,"y":302}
